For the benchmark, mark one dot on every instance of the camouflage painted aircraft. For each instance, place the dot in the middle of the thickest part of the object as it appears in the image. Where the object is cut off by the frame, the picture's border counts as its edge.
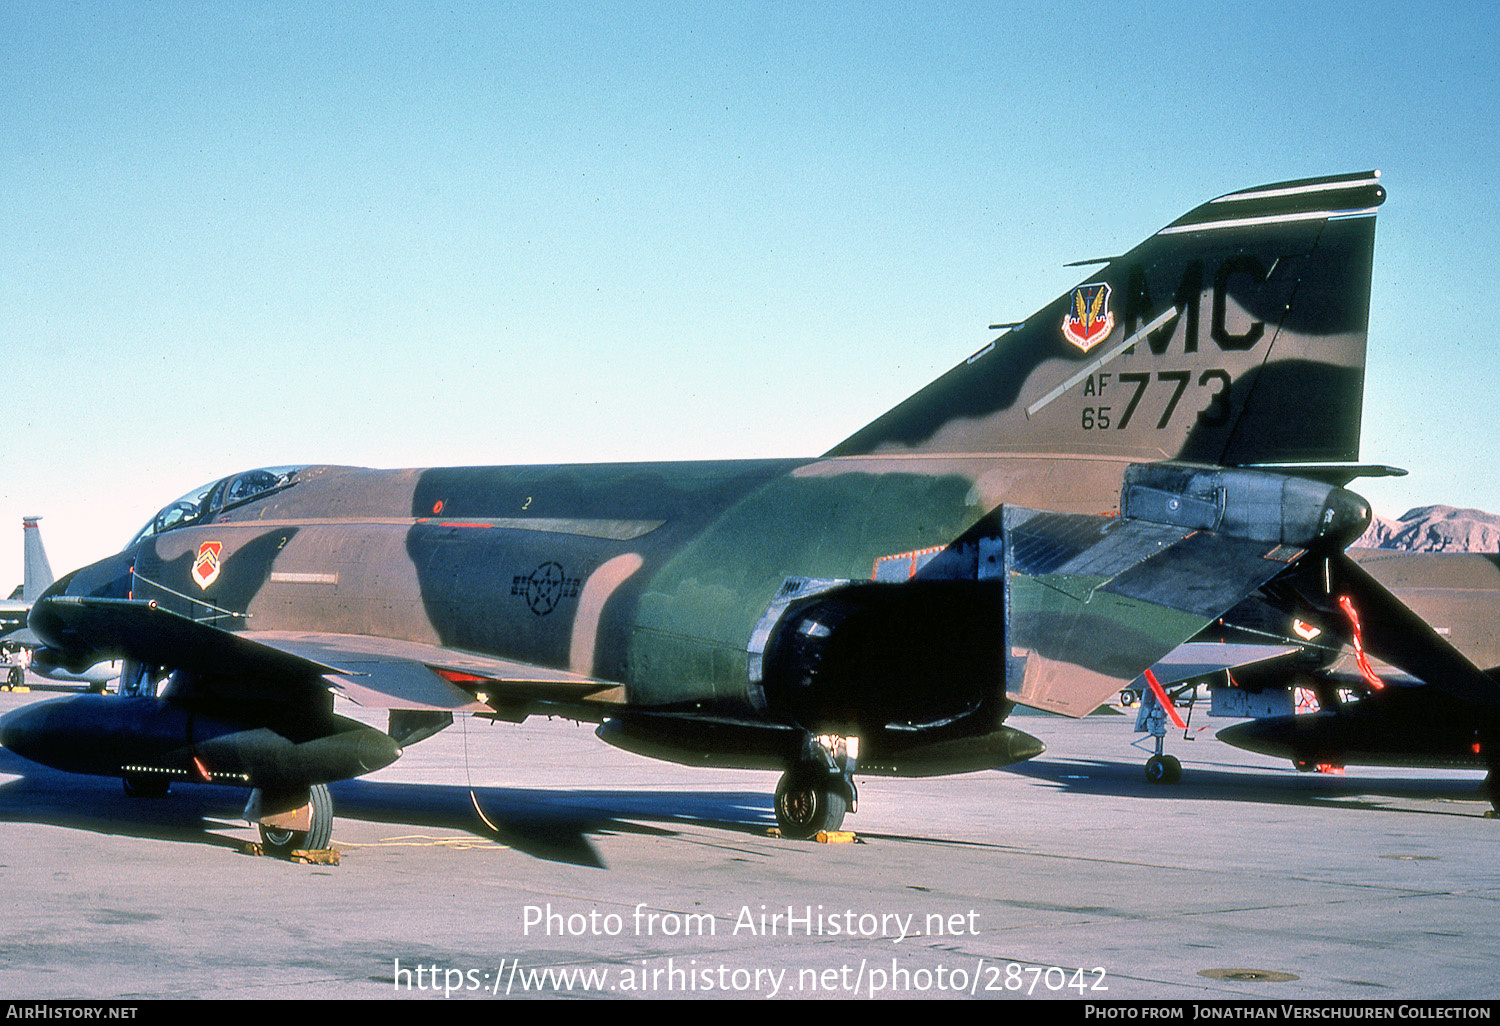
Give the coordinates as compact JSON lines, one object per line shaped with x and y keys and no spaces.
{"x":1405,"y":688}
{"x":1037,"y":526}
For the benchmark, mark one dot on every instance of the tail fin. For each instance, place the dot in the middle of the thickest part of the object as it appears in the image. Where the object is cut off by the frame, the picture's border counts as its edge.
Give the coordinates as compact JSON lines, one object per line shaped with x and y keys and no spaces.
{"x":38,"y":571}
{"x":1235,"y":335}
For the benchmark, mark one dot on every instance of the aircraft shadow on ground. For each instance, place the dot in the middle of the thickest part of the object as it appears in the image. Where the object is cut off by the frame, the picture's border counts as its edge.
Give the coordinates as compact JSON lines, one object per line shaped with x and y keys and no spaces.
{"x":558,"y":824}
{"x":1263,"y":786}
{"x":551,"y":824}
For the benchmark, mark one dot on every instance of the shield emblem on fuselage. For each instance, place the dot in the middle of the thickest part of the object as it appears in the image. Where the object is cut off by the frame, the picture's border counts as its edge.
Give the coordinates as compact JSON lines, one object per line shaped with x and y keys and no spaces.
{"x":1089,"y":319}
{"x":206,"y":566}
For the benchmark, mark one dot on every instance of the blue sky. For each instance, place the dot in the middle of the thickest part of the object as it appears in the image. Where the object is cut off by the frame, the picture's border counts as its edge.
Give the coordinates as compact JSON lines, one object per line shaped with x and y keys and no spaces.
{"x":248,"y":234}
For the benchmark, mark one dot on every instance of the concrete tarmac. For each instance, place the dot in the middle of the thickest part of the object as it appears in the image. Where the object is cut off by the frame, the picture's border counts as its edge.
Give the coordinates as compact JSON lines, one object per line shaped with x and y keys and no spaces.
{"x":614,"y":875}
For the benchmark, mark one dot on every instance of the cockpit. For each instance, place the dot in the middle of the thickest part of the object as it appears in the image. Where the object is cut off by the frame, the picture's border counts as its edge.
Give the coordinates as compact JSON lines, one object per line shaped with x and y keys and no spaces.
{"x":225,"y":493}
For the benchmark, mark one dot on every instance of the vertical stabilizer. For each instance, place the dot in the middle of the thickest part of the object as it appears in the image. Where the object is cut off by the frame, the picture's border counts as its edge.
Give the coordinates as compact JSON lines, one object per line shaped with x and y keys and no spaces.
{"x":38,"y":571}
{"x":1235,"y":335}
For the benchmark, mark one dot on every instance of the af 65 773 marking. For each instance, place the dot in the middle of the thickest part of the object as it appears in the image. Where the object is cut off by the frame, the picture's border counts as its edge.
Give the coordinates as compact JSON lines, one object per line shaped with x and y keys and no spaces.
{"x":1100,"y":418}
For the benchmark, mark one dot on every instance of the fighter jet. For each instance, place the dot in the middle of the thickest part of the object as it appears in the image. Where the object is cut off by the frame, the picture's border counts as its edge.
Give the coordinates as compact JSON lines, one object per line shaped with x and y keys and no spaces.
{"x":1402,"y":684}
{"x":1037,"y":526}
{"x":17,"y":643}
{"x":38,"y":577}
{"x":14,"y":610}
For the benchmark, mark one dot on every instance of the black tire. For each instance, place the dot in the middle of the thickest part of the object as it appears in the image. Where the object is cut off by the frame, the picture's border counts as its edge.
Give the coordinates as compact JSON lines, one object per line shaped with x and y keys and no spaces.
{"x":317,"y":837}
{"x":807,"y":804}
{"x":1174,"y":769}
{"x":146,"y":787}
{"x":1163,"y":769}
{"x":16,"y":677}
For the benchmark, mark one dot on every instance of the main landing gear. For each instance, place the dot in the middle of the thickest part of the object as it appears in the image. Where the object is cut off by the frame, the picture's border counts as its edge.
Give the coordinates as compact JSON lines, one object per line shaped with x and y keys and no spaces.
{"x":816,"y":792}
{"x":301,"y":827}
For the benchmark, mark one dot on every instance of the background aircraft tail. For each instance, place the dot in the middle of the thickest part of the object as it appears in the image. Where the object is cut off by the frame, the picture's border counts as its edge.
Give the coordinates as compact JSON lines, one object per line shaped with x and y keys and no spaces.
{"x":1235,"y":335}
{"x":38,"y":571}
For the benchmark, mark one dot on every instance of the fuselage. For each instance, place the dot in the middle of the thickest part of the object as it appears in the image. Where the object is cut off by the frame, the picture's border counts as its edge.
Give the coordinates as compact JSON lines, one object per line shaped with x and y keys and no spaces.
{"x":650,"y":575}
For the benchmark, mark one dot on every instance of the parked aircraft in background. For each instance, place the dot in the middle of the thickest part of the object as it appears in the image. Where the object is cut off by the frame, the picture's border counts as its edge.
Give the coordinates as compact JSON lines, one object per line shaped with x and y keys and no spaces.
{"x":37,"y":579}
{"x":1388,"y":673}
{"x":1435,"y":707}
{"x":1039,"y":525}
{"x":17,"y":643}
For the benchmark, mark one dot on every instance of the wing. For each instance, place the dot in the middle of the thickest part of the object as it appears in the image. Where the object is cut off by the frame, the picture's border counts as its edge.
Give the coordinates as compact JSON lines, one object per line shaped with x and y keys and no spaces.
{"x":371,"y":672}
{"x":388,"y":674}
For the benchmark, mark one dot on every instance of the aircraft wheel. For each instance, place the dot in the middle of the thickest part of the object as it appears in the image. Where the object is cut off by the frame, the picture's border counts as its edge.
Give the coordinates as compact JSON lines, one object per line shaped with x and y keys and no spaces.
{"x":1163,"y":769}
{"x":146,"y":787}
{"x":282,"y":843}
{"x":1127,"y":698}
{"x":16,"y":677}
{"x":806,"y":804}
